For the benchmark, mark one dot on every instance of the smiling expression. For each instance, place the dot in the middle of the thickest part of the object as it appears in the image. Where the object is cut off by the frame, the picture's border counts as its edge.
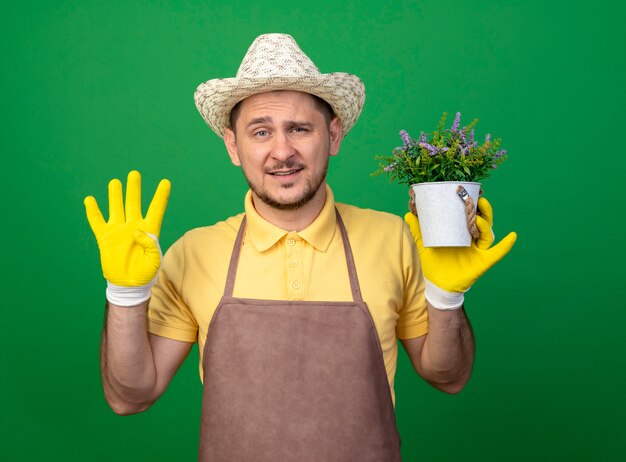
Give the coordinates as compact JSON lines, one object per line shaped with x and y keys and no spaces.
{"x":282,"y":143}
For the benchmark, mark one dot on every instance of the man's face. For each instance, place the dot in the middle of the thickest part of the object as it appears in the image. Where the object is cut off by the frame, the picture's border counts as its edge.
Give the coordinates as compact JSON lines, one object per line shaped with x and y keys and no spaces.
{"x":282,"y":143}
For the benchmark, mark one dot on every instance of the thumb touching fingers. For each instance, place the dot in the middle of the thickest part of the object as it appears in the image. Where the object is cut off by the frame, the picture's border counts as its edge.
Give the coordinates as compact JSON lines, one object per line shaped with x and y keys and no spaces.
{"x":149,"y":243}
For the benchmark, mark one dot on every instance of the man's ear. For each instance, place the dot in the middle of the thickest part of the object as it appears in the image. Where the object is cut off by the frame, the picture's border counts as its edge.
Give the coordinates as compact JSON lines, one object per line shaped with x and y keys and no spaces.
{"x":231,"y":146}
{"x":335,"y":135}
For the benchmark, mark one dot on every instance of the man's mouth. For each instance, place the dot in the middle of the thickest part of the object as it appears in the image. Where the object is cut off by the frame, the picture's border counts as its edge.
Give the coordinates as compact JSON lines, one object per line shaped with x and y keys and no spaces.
{"x":285,"y":172}
{"x":286,"y":169}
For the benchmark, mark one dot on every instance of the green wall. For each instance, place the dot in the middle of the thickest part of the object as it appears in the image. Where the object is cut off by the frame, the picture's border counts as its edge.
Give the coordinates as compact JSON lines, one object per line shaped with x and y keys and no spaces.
{"x":91,"y":90}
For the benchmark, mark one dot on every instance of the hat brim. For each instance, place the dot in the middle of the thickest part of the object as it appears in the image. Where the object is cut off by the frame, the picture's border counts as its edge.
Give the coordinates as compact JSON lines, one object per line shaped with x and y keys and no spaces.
{"x":216,"y":98}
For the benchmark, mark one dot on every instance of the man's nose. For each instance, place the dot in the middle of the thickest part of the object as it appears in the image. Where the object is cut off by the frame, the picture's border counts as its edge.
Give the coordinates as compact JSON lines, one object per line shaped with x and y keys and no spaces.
{"x":282,"y":148}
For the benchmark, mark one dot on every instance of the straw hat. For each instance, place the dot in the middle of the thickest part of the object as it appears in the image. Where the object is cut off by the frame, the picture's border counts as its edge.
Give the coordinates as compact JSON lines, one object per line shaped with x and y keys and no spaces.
{"x":276,"y":62}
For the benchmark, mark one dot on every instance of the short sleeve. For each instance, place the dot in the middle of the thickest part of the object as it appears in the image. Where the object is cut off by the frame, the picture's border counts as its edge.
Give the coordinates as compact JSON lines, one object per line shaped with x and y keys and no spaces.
{"x":413,"y":316}
{"x":168,"y":315}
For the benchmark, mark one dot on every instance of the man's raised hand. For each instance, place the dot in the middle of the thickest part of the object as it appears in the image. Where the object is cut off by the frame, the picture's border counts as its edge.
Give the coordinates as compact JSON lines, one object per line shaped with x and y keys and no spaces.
{"x":129,"y":248}
{"x":451,"y":271}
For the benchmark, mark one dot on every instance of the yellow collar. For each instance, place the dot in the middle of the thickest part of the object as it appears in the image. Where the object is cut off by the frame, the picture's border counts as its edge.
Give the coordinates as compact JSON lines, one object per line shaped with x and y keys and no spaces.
{"x":319,"y":234}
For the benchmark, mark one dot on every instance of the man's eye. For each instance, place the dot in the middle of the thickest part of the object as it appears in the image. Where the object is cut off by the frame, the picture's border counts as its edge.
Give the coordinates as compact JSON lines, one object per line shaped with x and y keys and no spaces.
{"x":261,"y":133}
{"x":300,"y":129}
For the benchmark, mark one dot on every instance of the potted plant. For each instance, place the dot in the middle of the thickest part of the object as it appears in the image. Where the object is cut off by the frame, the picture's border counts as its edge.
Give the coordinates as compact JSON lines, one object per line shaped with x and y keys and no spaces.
{"x":439,"y":167}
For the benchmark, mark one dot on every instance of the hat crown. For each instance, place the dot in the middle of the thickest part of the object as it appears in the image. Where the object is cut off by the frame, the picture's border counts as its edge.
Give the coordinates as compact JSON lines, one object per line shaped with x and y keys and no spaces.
{"x":276,"y":55}
{"x":275,"y":62}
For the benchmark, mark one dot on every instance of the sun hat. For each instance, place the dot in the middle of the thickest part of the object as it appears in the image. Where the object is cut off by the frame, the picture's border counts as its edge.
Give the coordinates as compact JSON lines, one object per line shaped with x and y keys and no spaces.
{"x":276,"y":62}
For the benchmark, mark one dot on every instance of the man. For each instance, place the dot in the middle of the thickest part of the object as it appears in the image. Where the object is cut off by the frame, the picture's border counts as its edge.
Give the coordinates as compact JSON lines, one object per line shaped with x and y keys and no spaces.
{"x":297,"y":304}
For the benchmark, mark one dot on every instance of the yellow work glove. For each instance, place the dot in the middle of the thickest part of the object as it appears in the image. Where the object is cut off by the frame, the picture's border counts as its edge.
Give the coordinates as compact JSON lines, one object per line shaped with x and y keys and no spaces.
{"x":451,"y":271}
{"x":129,"y":247}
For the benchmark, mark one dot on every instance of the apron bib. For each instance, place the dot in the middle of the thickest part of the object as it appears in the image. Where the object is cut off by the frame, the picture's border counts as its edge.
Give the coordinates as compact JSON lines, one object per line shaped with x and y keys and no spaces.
{"x":295,"y":380}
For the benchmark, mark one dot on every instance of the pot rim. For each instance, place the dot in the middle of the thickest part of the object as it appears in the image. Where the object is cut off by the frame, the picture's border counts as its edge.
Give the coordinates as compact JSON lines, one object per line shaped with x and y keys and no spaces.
{"x":445,"y":182}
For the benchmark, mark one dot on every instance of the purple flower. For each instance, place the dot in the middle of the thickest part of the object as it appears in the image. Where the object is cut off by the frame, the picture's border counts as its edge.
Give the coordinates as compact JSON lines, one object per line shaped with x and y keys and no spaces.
{"x":488,"y":138}
{"x":391,"y":167}
{"x":423,"y":137}
{"x":463,"y":137}
{"x":500,"y":154}
{"x":471,"y":138}
{"x":432,"y":150}
{"x":457,"y":122}
{"x":406,"y":139}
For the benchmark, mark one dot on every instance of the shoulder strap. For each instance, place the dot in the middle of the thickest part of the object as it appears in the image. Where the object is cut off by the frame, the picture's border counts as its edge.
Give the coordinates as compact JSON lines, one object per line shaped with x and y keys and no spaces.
{"x":354,"y":280}
{"x":234,"y":260}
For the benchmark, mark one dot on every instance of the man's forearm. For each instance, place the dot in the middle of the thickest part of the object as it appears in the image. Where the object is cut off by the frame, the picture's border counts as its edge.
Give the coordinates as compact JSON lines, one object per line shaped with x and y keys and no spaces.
{"x":448,"y":353}
{"x":126,"y":361}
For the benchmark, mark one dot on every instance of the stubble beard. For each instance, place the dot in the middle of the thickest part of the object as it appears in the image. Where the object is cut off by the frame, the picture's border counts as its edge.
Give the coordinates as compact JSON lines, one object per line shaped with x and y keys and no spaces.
{"x":312,"y":187}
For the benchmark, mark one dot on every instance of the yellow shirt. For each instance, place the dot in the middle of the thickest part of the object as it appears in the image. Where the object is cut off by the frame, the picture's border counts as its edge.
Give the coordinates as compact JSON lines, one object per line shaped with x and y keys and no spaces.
{"x":308,"y":265}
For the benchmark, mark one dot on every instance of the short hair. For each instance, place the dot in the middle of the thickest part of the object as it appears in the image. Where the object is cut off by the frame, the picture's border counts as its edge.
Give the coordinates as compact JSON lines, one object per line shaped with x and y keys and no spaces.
{"x":321,"y":105}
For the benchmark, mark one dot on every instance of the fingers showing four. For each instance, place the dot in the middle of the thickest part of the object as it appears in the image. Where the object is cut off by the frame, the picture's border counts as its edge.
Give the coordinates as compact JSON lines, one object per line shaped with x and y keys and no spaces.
{"x":94,"y":215}
{"x":116,"y":202}
{"x":133,"y":196}
{"x":119,"y":212}
{"x":154,"y":218}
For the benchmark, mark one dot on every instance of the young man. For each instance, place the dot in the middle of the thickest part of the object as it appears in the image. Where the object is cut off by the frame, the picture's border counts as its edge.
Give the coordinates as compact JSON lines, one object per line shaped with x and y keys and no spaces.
{"x":296,"y":304}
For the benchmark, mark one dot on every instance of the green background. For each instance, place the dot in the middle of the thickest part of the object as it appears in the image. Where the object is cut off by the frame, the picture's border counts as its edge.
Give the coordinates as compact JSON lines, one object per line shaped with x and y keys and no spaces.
{"x":91,"y":90}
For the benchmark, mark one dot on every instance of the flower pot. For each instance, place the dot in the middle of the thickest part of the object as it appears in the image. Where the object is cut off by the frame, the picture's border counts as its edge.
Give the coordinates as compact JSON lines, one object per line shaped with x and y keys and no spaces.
{"x":441,"y":213}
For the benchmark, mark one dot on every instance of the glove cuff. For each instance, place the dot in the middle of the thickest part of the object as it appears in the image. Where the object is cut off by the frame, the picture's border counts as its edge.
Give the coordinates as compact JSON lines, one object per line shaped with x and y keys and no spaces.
{"x":128,"y":296}
{"x":442,"y":299}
